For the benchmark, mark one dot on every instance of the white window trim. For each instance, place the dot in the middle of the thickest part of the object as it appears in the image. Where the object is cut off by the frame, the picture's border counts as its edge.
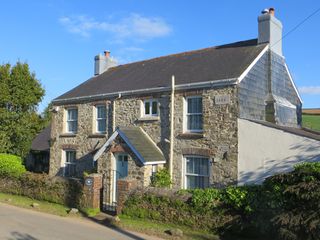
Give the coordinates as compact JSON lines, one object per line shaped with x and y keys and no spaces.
{"x":185,"y":114}
{"x":96,"y":118}
{"x":184,"y":169}
{"x":150,"y":100}
{"x":67,"y":120}
{"x":64,"y":162}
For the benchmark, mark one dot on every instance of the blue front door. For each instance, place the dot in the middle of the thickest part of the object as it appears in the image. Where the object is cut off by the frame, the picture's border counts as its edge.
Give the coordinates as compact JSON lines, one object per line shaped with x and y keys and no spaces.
{"x":121,"y":171}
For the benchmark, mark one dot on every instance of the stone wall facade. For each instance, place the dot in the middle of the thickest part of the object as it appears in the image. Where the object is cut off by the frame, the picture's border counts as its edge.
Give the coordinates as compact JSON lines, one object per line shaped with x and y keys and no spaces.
{"x":219,"y":136}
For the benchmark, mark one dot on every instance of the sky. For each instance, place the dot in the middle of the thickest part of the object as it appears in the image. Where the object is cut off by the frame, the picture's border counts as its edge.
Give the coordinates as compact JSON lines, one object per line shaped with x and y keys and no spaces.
{"x":59,"y":38}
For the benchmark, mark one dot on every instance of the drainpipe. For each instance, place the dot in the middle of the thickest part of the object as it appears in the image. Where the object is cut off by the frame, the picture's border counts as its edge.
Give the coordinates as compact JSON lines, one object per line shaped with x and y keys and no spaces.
{"x":171,"y":128}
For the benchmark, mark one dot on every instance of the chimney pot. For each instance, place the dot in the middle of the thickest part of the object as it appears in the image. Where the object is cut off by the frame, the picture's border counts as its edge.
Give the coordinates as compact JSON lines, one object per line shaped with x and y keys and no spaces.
{"x":271,"y":11}
{"x":107,"y":53}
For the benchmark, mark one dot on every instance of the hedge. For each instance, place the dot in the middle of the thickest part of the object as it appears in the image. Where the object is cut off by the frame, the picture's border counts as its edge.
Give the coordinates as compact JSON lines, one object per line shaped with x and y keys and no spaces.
{"x":42,"y":187}
{"x":285,"y":206}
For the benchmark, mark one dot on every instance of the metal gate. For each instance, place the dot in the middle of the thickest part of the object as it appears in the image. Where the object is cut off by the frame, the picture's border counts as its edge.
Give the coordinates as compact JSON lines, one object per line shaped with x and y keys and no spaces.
{"x":109,"y":191}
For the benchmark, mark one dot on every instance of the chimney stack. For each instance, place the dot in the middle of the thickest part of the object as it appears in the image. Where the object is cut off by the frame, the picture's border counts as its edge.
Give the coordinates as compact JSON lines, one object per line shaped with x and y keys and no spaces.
{"x":103,"y":62}
{"x":270,"y":30}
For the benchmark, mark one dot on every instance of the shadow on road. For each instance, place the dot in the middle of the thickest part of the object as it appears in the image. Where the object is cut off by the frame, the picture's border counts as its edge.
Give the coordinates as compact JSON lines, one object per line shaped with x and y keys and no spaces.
{"x":21,"y":236}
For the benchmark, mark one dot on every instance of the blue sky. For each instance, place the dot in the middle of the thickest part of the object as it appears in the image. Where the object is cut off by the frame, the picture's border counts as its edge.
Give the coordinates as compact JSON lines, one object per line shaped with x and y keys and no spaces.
{"x":59,"y":38}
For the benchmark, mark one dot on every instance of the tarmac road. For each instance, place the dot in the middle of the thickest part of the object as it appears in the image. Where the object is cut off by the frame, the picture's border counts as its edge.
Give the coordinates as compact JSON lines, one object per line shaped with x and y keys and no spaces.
{"x":23,"y":224}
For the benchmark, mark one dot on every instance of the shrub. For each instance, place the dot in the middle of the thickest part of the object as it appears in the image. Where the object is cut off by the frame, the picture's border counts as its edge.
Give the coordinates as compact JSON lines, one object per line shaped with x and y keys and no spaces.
{"x":161,"y":178}
{"x":11,"y":165}
{"x":238,"y":198}
{"x":205,"y":199}
{"x":310,"y":167}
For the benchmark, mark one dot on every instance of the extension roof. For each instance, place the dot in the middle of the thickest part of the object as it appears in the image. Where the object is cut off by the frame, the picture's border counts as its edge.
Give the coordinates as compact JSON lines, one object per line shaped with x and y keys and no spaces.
{"x":41,"y":141}
{"x":210,"y":64}
{"x":303,"y":132}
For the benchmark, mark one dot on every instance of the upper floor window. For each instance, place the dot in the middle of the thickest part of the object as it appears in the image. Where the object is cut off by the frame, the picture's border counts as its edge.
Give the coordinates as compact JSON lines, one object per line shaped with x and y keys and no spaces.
{"x":72,"y":120}
{"x":101,"y":118}
{"x":70,"y":163}
{"x":194,"y":122}
{"x":150,"y":108}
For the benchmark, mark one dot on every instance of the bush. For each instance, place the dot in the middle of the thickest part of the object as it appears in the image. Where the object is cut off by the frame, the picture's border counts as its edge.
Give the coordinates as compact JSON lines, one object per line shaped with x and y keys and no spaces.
{"x":204,"y":200}
{"x":310,"y":167}
{"x":11,"y":165}
{"x":161,"y":178}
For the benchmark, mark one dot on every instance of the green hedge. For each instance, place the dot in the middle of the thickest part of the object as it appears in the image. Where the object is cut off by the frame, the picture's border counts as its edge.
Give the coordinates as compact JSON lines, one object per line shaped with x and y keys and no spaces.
{"x":42,"y":187}
{"x":11,"y":165}
{"x":285,"y":206}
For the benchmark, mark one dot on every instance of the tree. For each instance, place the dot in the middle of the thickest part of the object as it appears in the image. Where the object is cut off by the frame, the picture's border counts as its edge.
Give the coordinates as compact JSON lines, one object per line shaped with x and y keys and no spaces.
{"x":20,"y":94}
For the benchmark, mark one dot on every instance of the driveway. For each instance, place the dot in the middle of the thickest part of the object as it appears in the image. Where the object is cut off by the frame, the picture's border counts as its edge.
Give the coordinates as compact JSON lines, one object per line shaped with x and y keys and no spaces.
{"x":22,"y":224}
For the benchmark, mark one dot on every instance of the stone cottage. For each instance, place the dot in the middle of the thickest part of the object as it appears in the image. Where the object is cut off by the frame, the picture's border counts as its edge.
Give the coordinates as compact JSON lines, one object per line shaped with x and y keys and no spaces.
{"x":193,"y":112}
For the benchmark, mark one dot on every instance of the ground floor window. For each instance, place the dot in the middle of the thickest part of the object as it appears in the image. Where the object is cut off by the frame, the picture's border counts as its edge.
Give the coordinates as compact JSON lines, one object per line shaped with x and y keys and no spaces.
{"x":196,"y":172}
{"x":70,"y":163}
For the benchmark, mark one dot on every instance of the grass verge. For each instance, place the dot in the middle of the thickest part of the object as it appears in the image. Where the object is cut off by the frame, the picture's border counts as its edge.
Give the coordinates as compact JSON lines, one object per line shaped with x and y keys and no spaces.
{"x":25,"y":202}
{"x":159,"y":229}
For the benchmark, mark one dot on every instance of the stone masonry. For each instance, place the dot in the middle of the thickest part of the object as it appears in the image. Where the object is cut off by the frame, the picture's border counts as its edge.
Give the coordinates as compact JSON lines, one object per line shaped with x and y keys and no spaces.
{"x":218,"y":140}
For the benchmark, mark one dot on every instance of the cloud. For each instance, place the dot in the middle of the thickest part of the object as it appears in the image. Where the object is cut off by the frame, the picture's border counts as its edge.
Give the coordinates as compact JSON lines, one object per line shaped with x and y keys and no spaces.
{"x":310,"y":90}
{"x":134,"y":27}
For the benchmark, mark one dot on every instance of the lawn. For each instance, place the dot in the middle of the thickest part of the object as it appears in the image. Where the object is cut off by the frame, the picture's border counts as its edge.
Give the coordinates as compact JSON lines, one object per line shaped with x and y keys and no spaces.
{"x":311,"y":121}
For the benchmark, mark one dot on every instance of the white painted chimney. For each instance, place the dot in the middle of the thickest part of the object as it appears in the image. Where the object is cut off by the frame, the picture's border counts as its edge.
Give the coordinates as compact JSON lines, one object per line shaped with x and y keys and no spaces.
{"x":270,"y":30}
{"x":103,"y":62}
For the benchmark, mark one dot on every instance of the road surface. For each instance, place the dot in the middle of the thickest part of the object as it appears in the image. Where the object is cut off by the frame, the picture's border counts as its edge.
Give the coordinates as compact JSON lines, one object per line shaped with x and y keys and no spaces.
{"x":23,"y":224}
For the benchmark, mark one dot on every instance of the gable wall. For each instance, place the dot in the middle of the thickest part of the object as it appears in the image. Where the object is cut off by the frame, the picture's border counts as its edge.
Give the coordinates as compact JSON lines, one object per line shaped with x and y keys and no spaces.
{"x":253,"y":90}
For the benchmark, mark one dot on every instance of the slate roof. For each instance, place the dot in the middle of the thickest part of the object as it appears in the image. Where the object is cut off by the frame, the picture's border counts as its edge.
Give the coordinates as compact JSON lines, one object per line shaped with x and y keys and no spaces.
{"x":210,"y":64}
{"x":41,"y":141}
{"x":136,"y":138}
{"x":297,"y":131}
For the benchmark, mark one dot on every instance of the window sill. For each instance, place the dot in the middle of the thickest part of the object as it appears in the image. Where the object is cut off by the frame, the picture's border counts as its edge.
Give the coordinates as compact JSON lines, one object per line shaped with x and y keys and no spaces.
{"x":68,"y":135}
{"x":191,"y":135}
{"x":151,"y":118}
{"x":97,"y":135}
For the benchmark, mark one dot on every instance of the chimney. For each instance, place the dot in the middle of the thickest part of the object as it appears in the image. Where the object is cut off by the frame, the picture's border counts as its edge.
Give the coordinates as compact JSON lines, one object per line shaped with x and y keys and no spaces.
{"x":103,"y":62}
{"x":270,"y":30}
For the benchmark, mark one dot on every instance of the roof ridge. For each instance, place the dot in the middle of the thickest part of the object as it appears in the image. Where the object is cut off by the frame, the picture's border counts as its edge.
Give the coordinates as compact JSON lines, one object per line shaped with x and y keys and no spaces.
{"x":234,"y":44}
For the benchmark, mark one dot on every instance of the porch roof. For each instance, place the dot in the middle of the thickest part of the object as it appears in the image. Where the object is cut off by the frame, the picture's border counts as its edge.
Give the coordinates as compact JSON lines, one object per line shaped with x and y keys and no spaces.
{"x":139,"y":143}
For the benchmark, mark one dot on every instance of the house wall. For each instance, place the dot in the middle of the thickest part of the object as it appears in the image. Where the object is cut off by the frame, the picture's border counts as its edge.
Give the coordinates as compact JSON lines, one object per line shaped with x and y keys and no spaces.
{"x":218,"y":138}
{"x":265,"y":151}
{"x":253,"y":91}
{"x":84,"y":142}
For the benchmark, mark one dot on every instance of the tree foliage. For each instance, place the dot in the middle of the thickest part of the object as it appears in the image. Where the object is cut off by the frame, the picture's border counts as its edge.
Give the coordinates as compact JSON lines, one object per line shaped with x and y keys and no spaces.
{"x":20,"y":95}
{"x":11,"y":166}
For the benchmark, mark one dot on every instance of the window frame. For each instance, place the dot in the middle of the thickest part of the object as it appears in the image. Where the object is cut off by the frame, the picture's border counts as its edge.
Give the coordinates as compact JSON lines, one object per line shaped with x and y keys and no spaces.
{"x":67,"y":163}
{"x":150,"y":101}
{"x":71,"y":120}
{"x":97,"y":119}
{"x":185,"y":174}
{"x":186,"y":114}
